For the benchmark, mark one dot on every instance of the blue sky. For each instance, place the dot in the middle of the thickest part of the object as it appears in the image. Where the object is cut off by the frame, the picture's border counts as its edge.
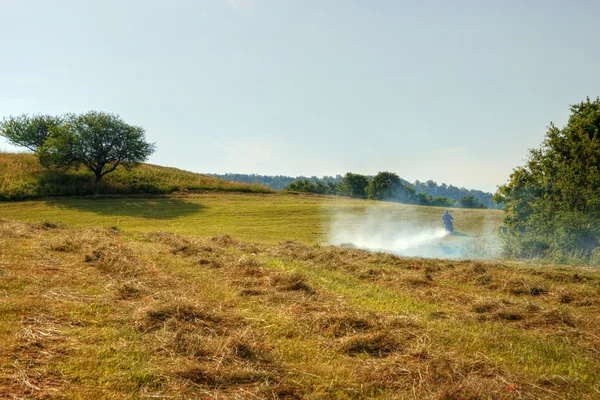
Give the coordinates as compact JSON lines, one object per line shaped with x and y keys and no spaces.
{"x":450,"y":91}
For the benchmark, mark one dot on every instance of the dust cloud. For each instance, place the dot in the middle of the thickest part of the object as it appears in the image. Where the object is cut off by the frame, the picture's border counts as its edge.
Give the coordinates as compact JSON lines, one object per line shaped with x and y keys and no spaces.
{"x":379,"y":229}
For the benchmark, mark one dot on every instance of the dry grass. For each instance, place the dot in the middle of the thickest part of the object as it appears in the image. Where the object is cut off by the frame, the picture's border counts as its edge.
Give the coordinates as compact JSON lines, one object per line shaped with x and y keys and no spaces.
{"x":94,"y":313}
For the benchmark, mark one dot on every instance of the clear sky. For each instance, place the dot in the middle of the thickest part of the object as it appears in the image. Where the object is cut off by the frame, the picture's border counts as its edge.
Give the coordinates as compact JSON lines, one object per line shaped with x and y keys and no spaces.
{"x":454,"y":91}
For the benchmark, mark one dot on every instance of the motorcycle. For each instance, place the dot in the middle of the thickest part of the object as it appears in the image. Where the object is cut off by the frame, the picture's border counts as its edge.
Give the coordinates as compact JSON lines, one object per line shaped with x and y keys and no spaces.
{"x":449,"y":226}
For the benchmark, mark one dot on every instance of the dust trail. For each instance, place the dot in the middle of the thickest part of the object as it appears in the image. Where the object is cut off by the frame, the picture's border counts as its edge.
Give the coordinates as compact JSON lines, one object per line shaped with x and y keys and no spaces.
{"x":406,"y":233}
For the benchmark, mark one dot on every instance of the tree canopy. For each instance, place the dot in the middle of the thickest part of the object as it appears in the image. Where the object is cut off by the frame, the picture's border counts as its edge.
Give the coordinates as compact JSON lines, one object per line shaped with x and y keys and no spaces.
{"x":354,"y":185}
{"x":470,"y":202}
{"x":27,"y":131}
{"x":99,"y":141}
{"x":388,"y":186}
{"x":553,"y":201}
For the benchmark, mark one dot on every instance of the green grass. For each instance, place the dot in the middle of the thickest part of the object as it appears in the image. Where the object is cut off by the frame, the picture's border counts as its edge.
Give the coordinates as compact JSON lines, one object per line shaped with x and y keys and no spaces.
{"x":22,"y":177}
{"x":259,"y":217}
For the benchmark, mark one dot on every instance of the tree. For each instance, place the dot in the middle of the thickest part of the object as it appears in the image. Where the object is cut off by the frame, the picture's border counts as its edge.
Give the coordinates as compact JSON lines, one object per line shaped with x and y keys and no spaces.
{"x":29,"y":132}
{"x":301,"y":185}
{"x":388,"y":186}
{"x":442,"y":201}
{"x":332,"y":188}
{"x":552,"y":203}
{"x":99,"y":141}
{"x":354,"y":185}
{"x":321,"y":187}
{"x":470,"y":202}
{"x":384,"y":186}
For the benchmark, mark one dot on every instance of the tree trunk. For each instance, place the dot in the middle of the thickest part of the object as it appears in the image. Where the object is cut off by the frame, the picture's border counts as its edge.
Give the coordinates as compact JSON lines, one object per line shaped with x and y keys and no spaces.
{"x":98,"y":173}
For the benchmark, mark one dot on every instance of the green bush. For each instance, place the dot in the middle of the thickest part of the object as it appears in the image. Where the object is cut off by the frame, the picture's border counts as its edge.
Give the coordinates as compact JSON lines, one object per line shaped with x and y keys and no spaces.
{"x":553,"y":201}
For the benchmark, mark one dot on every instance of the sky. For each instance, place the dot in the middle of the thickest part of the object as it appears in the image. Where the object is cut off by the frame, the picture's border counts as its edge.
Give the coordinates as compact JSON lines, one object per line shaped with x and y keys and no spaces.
{"x":453,"y":91}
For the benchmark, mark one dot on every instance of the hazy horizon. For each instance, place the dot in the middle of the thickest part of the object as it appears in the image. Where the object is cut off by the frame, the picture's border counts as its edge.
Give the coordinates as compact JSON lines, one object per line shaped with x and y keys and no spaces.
{"x":456,"y":93}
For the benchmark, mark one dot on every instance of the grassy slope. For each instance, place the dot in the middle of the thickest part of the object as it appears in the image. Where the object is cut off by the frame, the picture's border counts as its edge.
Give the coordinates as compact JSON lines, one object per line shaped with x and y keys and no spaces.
{"x":88,"y":313}
{"x":22,"y":177}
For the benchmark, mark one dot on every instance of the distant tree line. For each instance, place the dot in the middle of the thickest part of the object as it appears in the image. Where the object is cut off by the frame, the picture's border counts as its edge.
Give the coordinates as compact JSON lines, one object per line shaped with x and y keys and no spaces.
{"x":277,"y":182}
{"x":432,"y":188}
{"x":386,"y":186}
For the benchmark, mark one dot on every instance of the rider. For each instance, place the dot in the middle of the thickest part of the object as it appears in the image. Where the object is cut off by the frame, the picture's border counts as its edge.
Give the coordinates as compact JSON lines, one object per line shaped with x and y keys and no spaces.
{"x":448,"y":221}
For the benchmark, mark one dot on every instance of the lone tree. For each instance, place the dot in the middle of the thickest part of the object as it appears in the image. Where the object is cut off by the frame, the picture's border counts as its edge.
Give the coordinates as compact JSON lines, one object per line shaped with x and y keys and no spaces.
{"x":553,"y":201}
{"x":97,"y":140}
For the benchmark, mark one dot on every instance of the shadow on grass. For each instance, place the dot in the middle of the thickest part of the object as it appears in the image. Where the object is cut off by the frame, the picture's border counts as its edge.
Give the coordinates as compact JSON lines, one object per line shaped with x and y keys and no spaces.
{"x":162,"y":208}
{"x":82,"y":183}
{"x":143,"y":180}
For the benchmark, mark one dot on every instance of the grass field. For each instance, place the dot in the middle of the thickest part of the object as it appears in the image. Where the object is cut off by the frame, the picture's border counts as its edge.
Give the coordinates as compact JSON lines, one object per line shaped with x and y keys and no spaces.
{"x":144,"y":313}
{"x":258,"y":217}
{"x":237,"y":295}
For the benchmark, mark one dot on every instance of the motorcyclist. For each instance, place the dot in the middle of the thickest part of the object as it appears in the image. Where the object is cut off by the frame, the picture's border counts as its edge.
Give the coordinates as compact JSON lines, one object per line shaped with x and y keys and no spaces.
{"x":448,"y":221}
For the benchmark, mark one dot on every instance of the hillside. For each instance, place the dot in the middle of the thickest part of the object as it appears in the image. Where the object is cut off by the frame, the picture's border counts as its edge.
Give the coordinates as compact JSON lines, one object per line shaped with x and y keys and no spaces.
{"x":106,"y":313}
{"x":22,"y":177}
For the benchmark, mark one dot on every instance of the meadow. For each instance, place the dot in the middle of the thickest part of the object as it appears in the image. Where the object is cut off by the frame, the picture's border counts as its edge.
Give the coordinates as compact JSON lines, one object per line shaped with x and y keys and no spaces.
{"x":102,"y":312}
{"x":221,"y":294}
{"x":260,"y":217}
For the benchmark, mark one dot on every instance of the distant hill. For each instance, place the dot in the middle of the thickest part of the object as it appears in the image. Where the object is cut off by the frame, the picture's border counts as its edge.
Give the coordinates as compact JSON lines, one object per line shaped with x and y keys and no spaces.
{"x":279,"y":182}
{"x":22,"y":177}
